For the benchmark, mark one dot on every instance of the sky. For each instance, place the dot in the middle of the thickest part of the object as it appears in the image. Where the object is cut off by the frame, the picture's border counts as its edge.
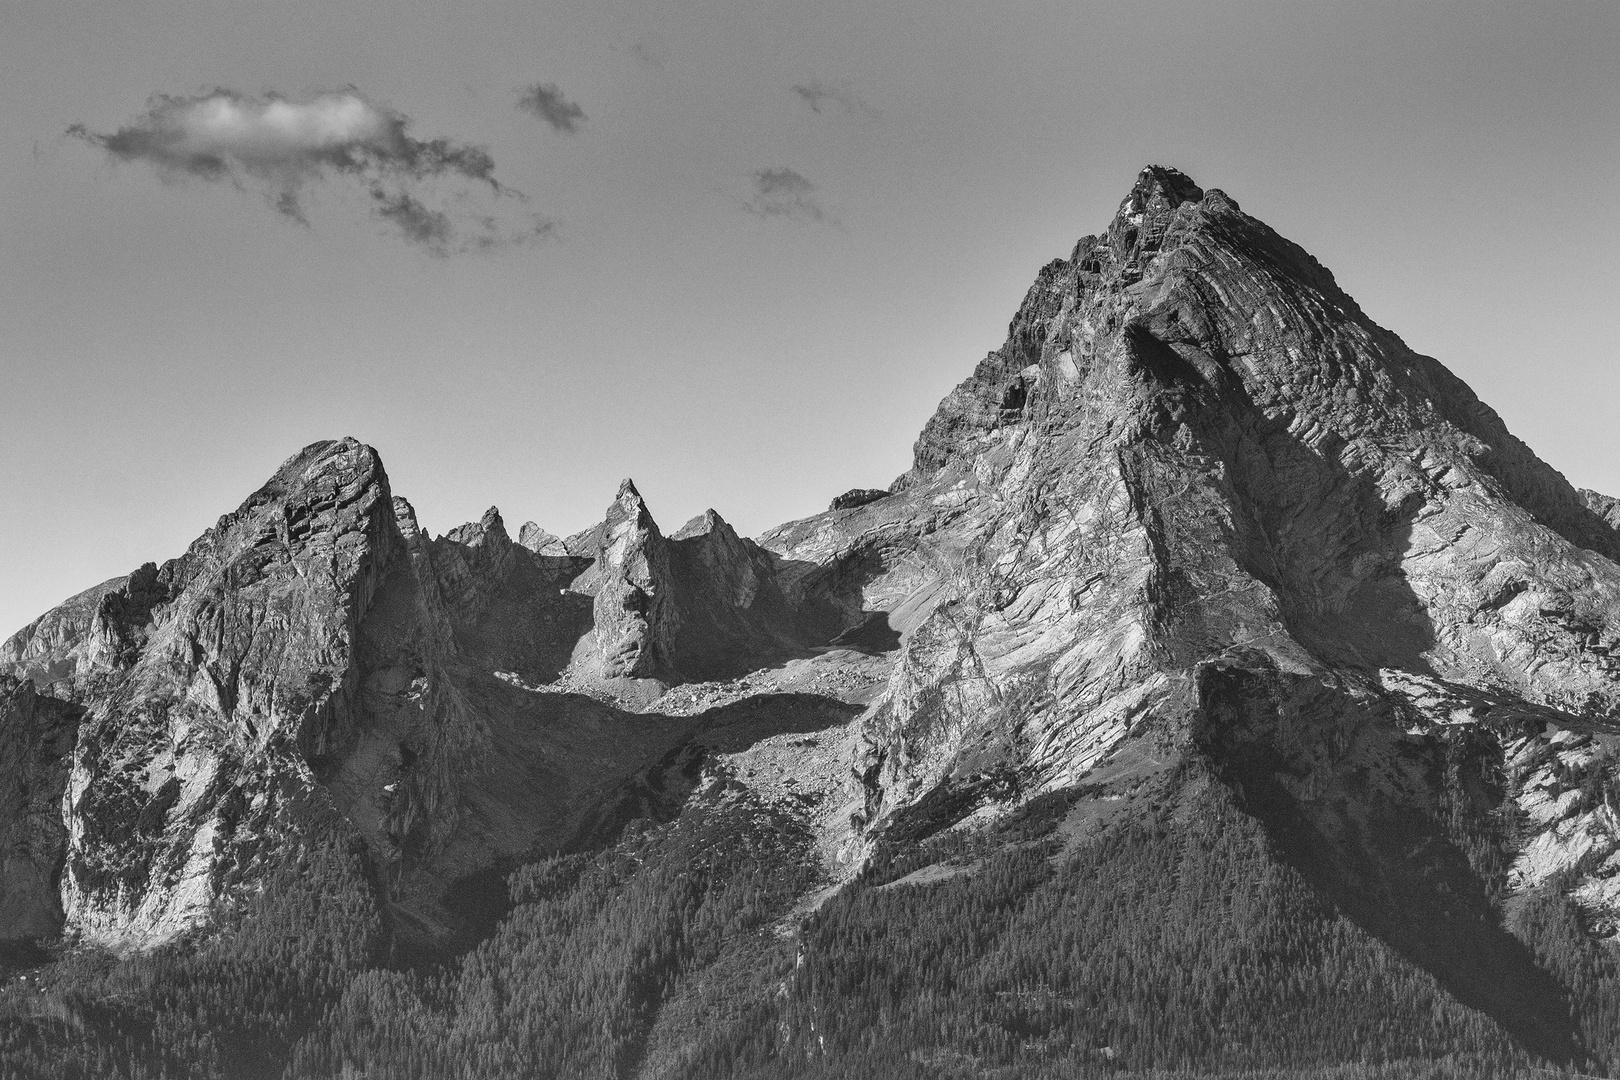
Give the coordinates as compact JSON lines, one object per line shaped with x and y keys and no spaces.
{"x":737,"y":251}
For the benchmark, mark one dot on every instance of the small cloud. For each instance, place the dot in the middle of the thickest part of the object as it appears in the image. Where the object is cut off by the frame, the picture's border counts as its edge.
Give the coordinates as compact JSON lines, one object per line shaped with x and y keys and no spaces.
{"x":494,"y":233}
{"x":548,"y":103}
{"x":784,"y":192}
{"x":273,"y":138}
{"x":417,"y":222}
{"x":651,"y":50}
{"x":816,"y":93}
{"x":285,"y":148}
{"x":782,"y":182}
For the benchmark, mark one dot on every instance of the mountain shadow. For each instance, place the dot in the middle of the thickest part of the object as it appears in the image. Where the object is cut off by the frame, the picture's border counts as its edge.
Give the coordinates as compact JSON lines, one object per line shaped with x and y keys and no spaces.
{"x":1384,"y":858}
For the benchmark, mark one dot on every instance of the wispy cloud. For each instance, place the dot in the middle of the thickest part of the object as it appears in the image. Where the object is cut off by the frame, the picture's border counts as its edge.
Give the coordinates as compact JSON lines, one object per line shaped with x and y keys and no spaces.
{"x":548,"y":102}
{"x":651,"y":50}
{"x":784,"y":192}
{"x":416,"y":221}
{"x":818,"y":94}
{"x":284,"y":147}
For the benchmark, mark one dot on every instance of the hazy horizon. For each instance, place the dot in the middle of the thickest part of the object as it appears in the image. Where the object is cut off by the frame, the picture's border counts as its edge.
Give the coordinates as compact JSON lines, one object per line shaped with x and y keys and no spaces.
{"x":737,"y":252}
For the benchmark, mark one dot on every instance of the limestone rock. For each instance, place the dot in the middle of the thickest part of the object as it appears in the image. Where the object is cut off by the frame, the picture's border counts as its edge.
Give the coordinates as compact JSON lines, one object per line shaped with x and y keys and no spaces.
{"x":1606,"y":507}
{"x":56,"y":646}
{"x":239,"y":679}
{"x":731,"y":614}
{"x":634,"y":631}
{"x":858,"y":497}
{"x":506,"y":602}
{"x":702,"y":604}
{"x":317,"y":662}
{"x":539,"y":541}
{"x":37,"y":734}
{"x":1198,"y":507}
{"x":1194,"y":449}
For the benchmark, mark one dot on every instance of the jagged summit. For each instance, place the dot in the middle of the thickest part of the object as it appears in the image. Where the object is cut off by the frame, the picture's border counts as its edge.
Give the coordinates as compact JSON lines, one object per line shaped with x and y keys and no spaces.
{"x":705,"y":522}
{"x":539,"y":541}
{"x":1157,"y":190}
{"x":1198,"y":521}
{"x":490,"y":530}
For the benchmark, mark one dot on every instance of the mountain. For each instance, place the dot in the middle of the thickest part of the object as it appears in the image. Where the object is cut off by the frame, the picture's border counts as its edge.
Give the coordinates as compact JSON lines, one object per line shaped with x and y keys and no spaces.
{"x":1222,"y":689}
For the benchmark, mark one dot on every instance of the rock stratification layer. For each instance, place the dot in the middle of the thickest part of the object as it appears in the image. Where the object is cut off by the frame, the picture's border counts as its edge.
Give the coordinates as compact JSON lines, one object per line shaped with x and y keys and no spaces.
{"x":1198,"y":506}
{"x":1197,"y":461}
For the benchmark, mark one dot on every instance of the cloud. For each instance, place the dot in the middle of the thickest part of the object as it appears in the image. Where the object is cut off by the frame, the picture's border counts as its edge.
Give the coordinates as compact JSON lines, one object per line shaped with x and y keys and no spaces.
{"x":784,"y":192}
{"x":548,"y":103}
{"x":443,"y":235}
{"x":782,"y":182}
{"x":416,"y":221}
{"x":651,"y":50}
{"x":284,"y":147}
{"x":816,"y":93}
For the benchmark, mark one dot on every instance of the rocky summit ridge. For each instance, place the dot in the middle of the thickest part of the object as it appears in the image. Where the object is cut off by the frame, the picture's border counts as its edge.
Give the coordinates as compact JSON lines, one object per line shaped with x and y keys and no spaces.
{"x":1198,"y":504}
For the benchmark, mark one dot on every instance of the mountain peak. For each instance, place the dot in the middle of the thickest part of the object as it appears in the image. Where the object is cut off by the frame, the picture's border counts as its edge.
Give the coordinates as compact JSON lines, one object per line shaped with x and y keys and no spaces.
{"x":705,"y":522}
{"x":539,"y":541}
{"x":1145,"y":214}
{"x":487,"y":531}
{"x":1159,"y":185}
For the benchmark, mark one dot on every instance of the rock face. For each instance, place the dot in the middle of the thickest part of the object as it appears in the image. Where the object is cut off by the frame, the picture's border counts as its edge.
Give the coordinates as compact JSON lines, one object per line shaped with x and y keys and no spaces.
{"x":315,"y":662}
{"x":209,"y":687}
{"x":1197,"y":465}
{"x":1197,"y":505}
{"x":854,"y":497}
{"x":634,"y":622}
{"x":36,"y":740}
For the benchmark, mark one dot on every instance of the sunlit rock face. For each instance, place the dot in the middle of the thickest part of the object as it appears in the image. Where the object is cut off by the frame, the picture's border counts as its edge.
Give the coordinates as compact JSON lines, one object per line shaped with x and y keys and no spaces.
{"x":209,"y":686}
{"x":1196,"y":464}
{"x":1198,"y":506}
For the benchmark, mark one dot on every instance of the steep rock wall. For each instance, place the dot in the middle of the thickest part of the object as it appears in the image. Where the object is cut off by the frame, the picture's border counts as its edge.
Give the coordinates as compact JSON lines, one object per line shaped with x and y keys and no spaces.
{"x":1215,"y":452}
